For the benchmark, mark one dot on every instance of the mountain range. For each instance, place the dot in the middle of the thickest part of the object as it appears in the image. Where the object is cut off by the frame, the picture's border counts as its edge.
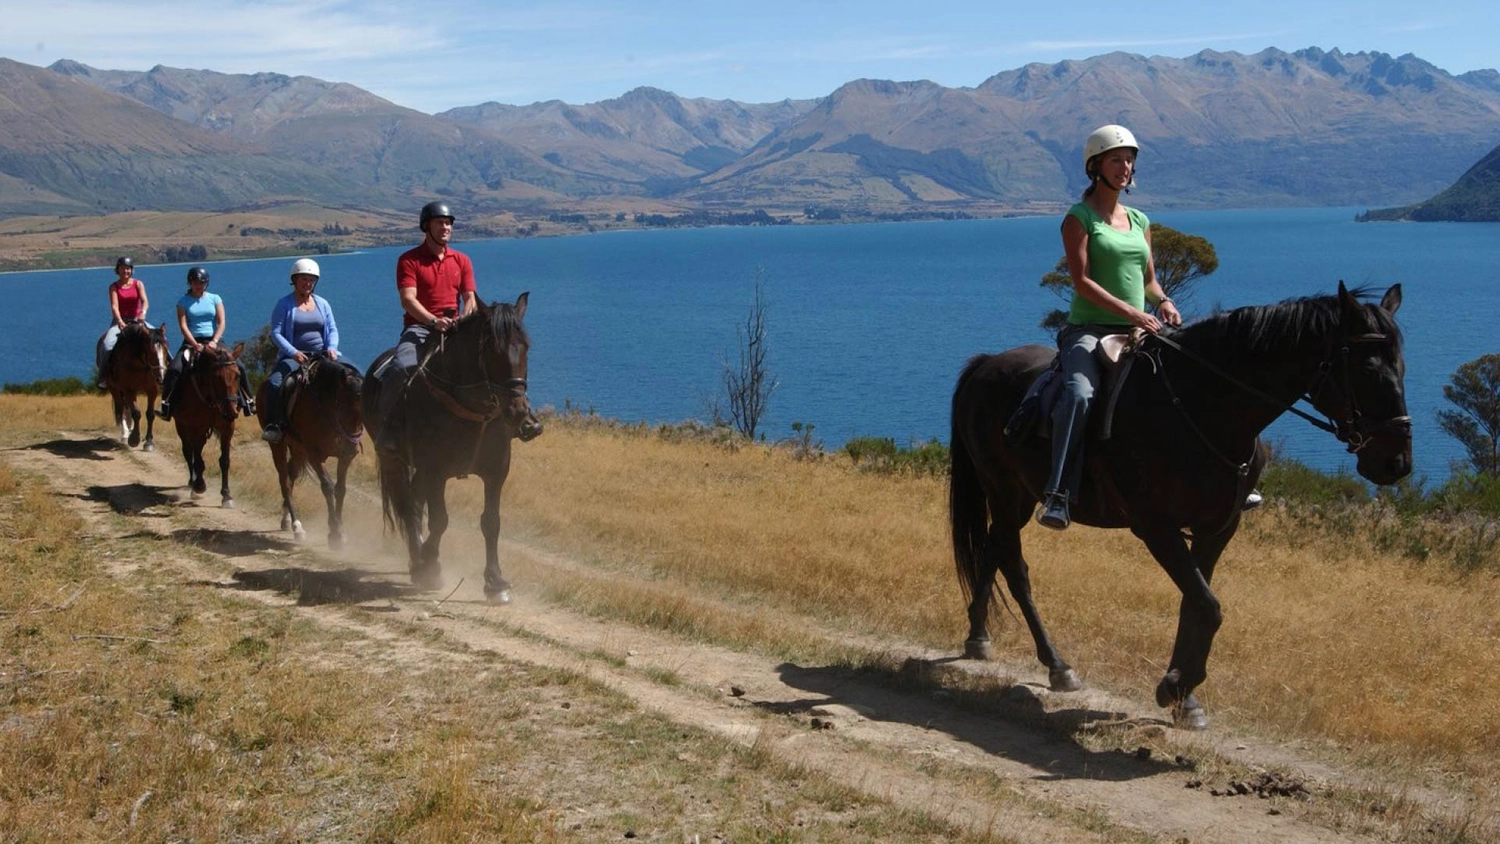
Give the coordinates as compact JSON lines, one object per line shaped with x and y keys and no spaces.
{"x":1311,"y":127}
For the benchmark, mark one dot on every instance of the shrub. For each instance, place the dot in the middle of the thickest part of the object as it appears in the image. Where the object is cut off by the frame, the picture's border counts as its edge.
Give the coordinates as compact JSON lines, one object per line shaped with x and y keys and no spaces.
{"x":70,"y":386}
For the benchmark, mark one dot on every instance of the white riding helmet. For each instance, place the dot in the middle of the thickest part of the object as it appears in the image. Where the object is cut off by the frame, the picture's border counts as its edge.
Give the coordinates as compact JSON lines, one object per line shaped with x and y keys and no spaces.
{"x":1104,"y":139}
{"x":306,"y":266}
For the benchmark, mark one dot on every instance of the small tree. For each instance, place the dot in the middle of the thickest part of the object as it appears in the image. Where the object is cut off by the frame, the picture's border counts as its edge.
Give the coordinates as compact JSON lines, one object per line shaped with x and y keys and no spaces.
{"x":1181,"y":259}
{"x":748,"y":384}
{"x":1475,"y":389}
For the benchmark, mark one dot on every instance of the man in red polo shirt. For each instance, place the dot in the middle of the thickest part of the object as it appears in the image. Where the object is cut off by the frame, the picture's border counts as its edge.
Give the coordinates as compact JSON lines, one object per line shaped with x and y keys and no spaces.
{"x":436,"y":283}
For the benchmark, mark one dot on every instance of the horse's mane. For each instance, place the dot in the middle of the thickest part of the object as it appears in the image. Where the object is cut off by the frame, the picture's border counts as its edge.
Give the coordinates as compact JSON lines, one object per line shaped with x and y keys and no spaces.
{"x":1258,"y":330}
{"x":329,"y":376}
{"x":504,"y":323}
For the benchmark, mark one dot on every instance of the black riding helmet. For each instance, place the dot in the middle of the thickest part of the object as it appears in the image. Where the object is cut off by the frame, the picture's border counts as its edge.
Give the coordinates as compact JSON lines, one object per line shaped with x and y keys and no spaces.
{"x":197,"y":274}
{"x":123,"y":261}
{"x":432,"y":211}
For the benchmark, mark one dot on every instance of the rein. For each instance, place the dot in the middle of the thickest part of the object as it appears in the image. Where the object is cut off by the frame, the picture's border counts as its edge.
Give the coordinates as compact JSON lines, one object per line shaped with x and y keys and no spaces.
{"x":494,"y":406}
{"x":1351,"y":431}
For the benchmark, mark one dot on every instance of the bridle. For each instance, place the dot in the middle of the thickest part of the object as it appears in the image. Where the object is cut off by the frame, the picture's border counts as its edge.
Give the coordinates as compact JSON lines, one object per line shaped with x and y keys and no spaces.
{"x":225,"y":406}
{"x":493,"y":405}
{"x":1353,"y":429}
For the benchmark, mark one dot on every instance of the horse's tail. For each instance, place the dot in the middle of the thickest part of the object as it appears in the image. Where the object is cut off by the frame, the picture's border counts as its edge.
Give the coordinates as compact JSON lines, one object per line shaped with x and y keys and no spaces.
{"x":968,"y":509}
{"x":396,"y":498}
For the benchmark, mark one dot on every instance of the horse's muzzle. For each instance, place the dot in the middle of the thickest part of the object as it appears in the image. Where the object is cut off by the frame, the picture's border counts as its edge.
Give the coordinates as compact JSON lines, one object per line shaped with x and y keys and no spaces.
{"x":530,"y":427}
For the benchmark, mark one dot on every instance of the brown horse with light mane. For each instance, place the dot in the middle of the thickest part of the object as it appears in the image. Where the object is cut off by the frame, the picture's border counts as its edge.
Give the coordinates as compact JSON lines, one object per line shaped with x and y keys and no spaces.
{"x":136,"y":367}
{"x":208,"y":404}
{"x":324,"y":420}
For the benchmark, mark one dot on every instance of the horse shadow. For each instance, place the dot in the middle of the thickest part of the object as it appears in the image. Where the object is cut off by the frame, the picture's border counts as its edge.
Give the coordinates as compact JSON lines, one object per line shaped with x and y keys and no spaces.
{"x":80,"y":449}
{"x":231,"y":543}
{"x":314,"y":588}
{"x":930,"y":695}
{"x":130,"y":499}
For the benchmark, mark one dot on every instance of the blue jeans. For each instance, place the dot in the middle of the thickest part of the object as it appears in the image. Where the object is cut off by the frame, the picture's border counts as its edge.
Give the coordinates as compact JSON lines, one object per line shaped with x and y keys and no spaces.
{"x":1080,"y":380}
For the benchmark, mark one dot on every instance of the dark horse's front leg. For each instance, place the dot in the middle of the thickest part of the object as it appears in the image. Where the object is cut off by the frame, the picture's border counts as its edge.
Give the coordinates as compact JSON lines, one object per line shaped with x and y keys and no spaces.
{"x":333,"y":495}
{"x":1199,"y":616}
{"x":287,"y":479}
{"x":150,"y":443}
{"x":192,"y":454}
{"x":496,"y":587}
{"x":226,"y":438}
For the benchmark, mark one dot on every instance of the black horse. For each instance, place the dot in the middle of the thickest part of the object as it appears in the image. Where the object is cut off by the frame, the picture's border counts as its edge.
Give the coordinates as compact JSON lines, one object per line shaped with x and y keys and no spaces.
{"x":463,"y":405}
{"x":1183,"y":453}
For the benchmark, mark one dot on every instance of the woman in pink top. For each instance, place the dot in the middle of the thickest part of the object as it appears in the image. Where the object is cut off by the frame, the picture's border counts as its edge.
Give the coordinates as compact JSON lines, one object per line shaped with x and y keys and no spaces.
{"x":128,"y":303}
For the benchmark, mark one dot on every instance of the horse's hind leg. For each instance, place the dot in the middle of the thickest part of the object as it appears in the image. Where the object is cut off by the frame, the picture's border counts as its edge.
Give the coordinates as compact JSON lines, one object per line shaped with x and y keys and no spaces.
{"x":1004,"y":548}
{"x":496,"y":587}
{"x":426,"y":570}
{"x":287,"y":479}
{"x":135,"y":425}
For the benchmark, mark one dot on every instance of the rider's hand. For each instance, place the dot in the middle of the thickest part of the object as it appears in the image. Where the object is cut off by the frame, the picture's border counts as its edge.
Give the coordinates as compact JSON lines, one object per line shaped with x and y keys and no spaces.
{"x":332,"y":355}
{"x":1143,"y":320}
{"x":1169,"y":313}
{"x":300,"y":357}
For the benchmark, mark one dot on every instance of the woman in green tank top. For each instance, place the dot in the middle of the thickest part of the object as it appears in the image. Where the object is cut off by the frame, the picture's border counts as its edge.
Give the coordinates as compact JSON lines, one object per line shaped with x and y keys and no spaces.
{"x":1108,"y":250}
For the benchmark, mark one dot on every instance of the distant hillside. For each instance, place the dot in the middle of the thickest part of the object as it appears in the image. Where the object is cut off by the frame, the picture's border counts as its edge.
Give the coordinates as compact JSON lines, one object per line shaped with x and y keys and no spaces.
{"x":69,"y":147}
{"x":1474,"y":198}
{"x":364,"y":140}
{"x":648,"y":136}
{"x":1217,"y":130}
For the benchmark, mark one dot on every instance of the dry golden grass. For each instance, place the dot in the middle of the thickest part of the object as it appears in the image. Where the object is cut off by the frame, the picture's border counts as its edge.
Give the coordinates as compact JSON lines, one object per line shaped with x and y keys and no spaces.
{"x":134,"y":706}
{"x":1346,"y":646}
{"x":1337,"y":647}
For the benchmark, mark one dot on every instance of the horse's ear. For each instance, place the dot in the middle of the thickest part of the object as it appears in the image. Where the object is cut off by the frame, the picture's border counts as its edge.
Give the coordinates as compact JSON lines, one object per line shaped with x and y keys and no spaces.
{"x":239,"y":349}
{"x":1391,"y":301}
{"x":521,"y":303}
{"x":1347,"y":303}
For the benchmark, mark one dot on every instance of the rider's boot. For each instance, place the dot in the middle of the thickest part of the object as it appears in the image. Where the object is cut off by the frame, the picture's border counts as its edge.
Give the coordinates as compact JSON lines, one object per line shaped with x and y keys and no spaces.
{"x":392,"y":414}
{"x":1054,"y":510}
{"x":275,"y":425}
{"x":168,"y":395}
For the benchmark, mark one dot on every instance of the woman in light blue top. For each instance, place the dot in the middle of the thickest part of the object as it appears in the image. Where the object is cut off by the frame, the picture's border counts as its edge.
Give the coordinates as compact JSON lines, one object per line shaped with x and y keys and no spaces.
{"x":200,"y":317}
{"x":302,"y":326}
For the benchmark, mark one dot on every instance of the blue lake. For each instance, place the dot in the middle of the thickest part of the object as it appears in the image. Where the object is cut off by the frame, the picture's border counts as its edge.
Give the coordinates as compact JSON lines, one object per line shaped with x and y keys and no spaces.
{"x":870,"y":324}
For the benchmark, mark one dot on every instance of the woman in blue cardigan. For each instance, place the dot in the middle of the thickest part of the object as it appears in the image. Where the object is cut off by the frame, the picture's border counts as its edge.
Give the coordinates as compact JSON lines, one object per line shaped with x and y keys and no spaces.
{"x":301,"y":326}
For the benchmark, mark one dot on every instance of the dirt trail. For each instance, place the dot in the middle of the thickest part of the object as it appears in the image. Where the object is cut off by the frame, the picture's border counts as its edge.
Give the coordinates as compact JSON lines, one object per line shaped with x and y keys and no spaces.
{"x":862,"y":733}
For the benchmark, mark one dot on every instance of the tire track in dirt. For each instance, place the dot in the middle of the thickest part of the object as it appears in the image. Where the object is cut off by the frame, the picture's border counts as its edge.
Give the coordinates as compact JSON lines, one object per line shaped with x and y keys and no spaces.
{"x":853,"y":729}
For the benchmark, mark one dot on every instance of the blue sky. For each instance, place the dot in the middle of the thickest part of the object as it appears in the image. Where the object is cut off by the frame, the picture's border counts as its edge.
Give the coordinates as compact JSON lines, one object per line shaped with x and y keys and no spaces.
{"x":432,"y":55}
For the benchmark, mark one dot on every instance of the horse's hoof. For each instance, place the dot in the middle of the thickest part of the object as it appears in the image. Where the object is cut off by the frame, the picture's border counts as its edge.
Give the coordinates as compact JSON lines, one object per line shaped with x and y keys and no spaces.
{"x":499,"y":597}
{"x":298,"y":533}
{"x":135,"y":439}
{"x":1064,"y":680}
{"x":979,"y":649}
{"x":228,"y":504}
{"x":149,"y":446}
{"x":427,"y":579}
{"x":286,"y":522}
{"x":1190,"y":716}
{"x":194,"y":494}
{"x":336,"y":541}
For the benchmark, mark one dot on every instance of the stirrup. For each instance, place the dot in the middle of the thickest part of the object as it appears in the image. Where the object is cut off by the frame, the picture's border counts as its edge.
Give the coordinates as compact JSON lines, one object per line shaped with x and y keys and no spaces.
{"x":164,"y":411}
{"x":272,"y":434}
{"x":1053,"y":513}
{"x":1253,"y":500}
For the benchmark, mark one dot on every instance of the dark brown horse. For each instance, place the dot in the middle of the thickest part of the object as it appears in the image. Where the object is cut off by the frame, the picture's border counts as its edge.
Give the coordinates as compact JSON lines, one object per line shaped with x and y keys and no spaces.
{"x":136,"y":367}
{"x":324,"y":419}
{"x":208,"y":403}
{"x":1183,"y":454}
{"x":463,"y":405}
